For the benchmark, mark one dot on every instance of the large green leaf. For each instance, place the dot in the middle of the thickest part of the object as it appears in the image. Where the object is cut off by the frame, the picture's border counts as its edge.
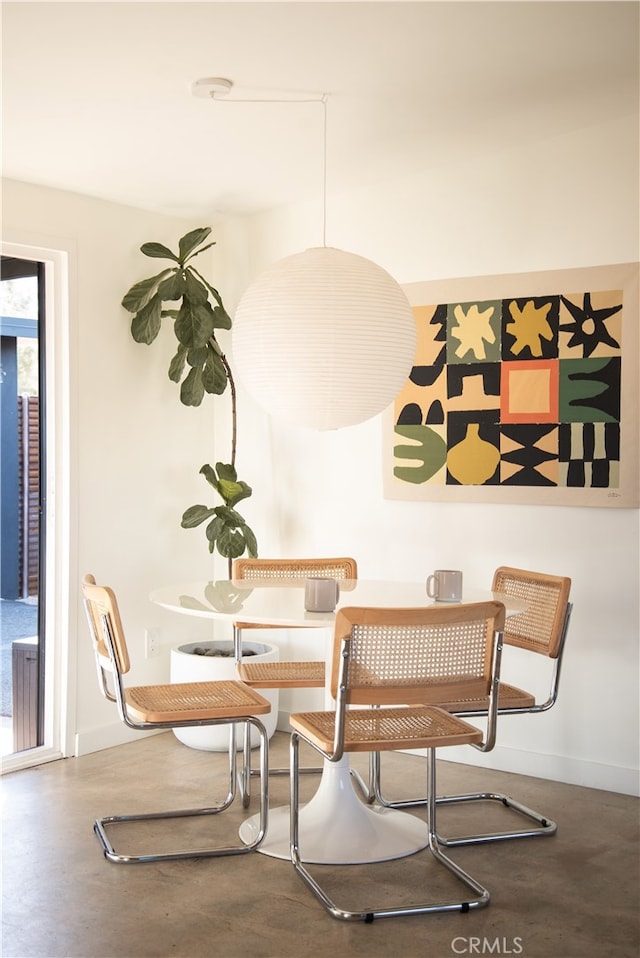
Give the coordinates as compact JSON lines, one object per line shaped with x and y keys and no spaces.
{"x":145,"y":325}
{"x":230,"y":491}
{"x":240,"y":491}
{"x":214,"y":374}
{"x":226,"y":471}
{"x":192,"y":390}
{"x":194,"y":325}
{"x":190,"y":240}
{"x":214,"y":292}
{"x":230,"y":543}
{"x":173,"y":287}
{"x":213,"y":530}
{"x":194,"y":515}
{"x":230,"y":516}
{"x":210,"y":475}
{"x":222,"y":318}
{"x":197,"y":356}
{"x":196,"y":292}
{"x":158,"y":251}
{"x":140,"y":293}
{"x":176,"y":366}
{"x":251,"y":542}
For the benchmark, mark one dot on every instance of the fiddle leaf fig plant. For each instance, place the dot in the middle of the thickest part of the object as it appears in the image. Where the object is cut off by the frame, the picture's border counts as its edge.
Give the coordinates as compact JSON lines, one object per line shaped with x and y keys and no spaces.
{"x":201,"y":367}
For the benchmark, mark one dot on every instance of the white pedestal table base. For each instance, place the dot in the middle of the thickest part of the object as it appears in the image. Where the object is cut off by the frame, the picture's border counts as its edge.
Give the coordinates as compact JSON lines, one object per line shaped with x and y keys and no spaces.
{"x":337,"y":828}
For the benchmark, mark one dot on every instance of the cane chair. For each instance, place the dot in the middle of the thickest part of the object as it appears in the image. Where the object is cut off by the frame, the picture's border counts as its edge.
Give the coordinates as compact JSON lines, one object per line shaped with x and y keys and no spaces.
{"x":388,"y":663}
{"x":167,"y":707}
{"x":287,"y":674}
{"x":542,"y":630}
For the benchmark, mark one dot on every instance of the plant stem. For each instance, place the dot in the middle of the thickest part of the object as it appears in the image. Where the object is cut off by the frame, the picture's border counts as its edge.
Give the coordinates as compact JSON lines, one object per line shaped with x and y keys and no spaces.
{"x":234,"y":430}
{"x":234,"y":418}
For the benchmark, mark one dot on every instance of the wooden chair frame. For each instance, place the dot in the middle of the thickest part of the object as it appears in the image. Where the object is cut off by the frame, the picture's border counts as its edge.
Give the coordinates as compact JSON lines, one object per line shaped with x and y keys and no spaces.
{"x":181,"y":705}
{"x":388,"y":662}
{"x":542,"y":630}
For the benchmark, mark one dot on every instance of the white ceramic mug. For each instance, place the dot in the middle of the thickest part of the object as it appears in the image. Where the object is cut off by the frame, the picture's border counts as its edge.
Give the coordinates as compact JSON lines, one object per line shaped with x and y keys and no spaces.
{"x":321,"y":594}
{"x":445,"y":585}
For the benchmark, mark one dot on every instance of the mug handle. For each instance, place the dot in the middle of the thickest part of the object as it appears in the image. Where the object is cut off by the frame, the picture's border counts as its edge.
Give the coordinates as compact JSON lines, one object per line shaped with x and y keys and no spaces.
{"x":432,"y":582}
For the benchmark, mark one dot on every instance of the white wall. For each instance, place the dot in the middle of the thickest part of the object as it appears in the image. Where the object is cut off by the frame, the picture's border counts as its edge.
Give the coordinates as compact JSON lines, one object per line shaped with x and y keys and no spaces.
{"x":136,"y":451}
{"x":570,"y":202}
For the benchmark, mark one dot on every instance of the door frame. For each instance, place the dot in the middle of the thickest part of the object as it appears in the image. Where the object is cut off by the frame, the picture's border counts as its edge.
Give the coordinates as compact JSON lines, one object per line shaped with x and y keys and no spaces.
{"x":59,"y":544}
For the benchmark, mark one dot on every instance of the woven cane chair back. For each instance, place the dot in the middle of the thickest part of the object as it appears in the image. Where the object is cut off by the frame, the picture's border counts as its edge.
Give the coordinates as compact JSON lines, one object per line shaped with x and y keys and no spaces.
{"x":411,"y":656}
{"x":540,"y":628}
{"x":279,"y":571}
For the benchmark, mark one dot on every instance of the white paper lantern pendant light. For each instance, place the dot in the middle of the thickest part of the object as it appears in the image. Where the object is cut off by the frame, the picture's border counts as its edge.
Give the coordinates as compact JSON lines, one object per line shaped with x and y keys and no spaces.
{"x":324,"y":338}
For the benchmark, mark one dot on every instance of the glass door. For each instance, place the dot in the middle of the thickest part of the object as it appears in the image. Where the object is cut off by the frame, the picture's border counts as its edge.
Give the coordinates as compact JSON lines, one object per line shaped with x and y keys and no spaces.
{"x":22,"y":466}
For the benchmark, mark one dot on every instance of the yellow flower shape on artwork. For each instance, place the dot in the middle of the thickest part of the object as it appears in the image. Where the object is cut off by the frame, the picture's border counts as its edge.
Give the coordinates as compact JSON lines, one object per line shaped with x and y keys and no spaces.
{"x":528,"y":326}
{"x":473,"y":330}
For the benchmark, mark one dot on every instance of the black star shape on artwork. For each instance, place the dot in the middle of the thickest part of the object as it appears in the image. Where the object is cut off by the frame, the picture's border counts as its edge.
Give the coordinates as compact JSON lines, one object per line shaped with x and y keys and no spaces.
{"x":589,"y":325}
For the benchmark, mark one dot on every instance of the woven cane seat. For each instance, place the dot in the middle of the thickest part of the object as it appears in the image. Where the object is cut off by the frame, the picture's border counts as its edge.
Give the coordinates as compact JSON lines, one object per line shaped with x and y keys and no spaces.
{"x":509,"y":697}
{"x":368,"y":730}
{"x":193,"y":701}
{"x":282,"y":675}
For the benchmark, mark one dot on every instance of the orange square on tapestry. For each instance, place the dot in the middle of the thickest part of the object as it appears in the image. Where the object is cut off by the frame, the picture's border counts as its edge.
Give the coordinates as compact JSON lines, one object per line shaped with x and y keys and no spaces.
{"x":529,"y":391}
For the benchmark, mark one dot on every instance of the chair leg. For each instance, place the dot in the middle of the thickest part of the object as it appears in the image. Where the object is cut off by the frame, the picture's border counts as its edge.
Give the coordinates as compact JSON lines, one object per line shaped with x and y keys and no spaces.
{"x":101,"y":824}
{"x":247,"y":772}
{"x":244,"y":778}
{"x":542,"y":826}
{"x":478,"y":899}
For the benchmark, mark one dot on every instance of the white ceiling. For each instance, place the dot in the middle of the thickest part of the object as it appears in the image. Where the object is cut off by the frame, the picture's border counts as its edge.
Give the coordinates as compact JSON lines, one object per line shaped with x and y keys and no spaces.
{"x":97,"y":96}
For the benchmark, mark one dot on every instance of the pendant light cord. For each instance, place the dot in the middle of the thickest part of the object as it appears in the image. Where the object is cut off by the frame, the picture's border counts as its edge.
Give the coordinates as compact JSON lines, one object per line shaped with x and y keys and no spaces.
{"x":324,"y":168}
{"x":318,"y":99}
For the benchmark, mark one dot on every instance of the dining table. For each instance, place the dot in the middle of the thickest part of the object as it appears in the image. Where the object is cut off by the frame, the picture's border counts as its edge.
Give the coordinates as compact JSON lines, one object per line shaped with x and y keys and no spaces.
{"x":336,"y":825}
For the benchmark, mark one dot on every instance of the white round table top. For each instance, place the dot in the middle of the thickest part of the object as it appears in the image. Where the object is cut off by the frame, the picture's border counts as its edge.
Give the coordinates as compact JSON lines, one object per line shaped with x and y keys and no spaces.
{"x":281,"y":602}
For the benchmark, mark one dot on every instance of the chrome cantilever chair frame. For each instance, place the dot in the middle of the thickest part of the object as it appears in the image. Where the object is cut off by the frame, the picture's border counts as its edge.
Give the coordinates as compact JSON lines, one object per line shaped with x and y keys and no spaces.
{"x":371,"y":668}
{"x":207,"y":701}
{"x":280,"y":675}
{"x":540,"y":824}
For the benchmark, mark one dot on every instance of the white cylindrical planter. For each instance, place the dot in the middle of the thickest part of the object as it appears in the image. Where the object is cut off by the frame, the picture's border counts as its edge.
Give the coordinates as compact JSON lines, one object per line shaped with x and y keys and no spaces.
{"x":189,"y":667}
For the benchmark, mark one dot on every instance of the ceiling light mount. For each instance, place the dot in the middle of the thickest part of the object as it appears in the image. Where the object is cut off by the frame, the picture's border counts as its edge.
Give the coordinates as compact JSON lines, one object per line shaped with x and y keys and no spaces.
{"x":211,"y":88}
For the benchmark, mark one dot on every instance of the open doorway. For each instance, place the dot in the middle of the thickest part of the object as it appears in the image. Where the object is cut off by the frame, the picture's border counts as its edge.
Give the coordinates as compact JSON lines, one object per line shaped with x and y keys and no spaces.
{"x":22,"y":465}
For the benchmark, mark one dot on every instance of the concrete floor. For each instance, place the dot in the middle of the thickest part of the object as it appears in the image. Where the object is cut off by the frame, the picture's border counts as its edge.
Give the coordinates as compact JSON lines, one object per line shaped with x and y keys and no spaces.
{"x":573,"y":895}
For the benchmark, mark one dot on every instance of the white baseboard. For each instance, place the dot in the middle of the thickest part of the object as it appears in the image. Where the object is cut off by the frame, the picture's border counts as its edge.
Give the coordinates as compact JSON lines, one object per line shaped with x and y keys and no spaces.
{"x":555,"y":768}
{"x":106,"y":736}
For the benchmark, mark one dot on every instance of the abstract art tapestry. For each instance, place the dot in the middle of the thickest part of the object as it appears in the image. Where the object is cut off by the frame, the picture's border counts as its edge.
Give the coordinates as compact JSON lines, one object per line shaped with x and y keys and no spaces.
{"x":523,"y":389}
